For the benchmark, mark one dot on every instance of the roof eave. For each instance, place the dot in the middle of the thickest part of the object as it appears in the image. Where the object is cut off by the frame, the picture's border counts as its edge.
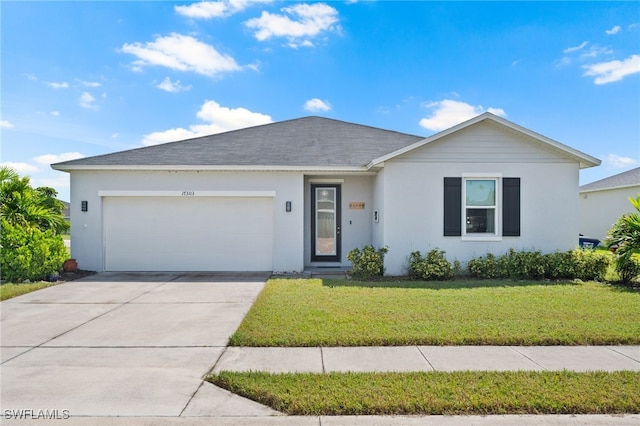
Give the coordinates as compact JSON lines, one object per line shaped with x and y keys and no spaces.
{"x":631,"y":185}
{"x":340,"y":169}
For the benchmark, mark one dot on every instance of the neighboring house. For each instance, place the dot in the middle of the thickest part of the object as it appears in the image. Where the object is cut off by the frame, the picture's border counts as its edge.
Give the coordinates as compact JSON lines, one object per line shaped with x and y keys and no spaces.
{"x":66,"y":211}
{"x":604,"y":201}
{"x":302,"y":193}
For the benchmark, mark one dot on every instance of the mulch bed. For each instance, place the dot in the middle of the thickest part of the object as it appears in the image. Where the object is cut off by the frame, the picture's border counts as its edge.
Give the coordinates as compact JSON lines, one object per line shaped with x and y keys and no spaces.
{"x":70,"y":276}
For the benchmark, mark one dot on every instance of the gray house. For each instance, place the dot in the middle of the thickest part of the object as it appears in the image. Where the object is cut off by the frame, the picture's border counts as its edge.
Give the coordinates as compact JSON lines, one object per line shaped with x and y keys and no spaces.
{"x":604,"y":201}
{"x":302,"y":193}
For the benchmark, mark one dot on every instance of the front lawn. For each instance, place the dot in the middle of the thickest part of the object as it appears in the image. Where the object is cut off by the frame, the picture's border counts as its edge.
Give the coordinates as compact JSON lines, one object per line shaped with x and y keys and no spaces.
{"x":560,"y":392}
{"x":10,"y":290}
{"x":313,"y":312}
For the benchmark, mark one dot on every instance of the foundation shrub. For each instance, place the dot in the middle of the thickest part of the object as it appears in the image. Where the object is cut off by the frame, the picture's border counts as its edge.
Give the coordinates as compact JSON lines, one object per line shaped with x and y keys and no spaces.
{"x":434,"y":266}
{"x":368,"y":262}
{"x":584,"y":264}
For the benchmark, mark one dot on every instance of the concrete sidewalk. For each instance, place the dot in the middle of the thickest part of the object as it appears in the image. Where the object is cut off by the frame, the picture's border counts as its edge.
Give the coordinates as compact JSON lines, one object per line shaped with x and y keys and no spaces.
{"x":430,"y":358}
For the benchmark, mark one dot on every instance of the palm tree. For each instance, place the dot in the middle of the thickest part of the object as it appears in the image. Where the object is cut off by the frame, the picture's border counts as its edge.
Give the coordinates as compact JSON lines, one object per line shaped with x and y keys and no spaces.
{"x":22,"y":205}
{"x":624,"y":237}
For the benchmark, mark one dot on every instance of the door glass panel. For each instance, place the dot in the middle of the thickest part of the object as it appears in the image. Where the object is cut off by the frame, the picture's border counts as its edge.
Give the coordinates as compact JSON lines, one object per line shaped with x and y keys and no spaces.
{"x":325,"y":221}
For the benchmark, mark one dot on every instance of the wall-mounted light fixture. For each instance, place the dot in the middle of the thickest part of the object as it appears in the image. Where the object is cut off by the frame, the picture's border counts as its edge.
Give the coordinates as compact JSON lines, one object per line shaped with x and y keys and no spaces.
{"x":376,"y":216}
{"x":287,"y":206}
{"x":84,"y":206}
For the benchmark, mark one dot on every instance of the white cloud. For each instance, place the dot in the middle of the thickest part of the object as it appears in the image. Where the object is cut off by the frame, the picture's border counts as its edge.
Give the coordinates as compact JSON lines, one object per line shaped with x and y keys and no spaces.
{"x":21,"y":168}
{"x":296,"y":23}
{"x":219,"y":118}
{"x":49,"y":159}
{"x":619,"y":162}
{"x":89,"y":83}
{"x":182,"y":53}
{"x":204,"y":9}
{"x":608,"y":72}
{"x":55,"y":85}
{"x":88,"y":101}
{"x":317,"y":105}
{"x":614,"y":30}
{"x":595,"y":51}
{"x":6,"y":124}
{"x":55,"y":113}
{"x":56,"y":180}
{"x":215,"y":9}
{"x":448,"y":113}
{"x":173,"y":87}
{"x":576,"y":48}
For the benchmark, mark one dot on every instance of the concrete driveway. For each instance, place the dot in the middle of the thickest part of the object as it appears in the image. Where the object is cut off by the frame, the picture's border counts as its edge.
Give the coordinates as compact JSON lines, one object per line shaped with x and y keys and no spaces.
{"x":125,"y":344}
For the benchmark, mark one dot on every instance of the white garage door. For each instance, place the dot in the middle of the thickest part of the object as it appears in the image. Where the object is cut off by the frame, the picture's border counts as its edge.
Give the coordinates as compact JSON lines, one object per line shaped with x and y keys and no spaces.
{"x":188,"y":233}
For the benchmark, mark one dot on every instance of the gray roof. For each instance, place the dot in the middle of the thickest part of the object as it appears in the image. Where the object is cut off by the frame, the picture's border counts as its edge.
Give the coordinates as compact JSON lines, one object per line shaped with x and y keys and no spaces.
{"x":628,"y":178}
{"x":302,"y":142}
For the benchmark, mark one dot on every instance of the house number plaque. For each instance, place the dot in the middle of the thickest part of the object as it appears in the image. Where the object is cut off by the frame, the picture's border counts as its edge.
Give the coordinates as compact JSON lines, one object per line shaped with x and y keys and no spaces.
{"x":356,"y":205}
{"x":188,"y":193}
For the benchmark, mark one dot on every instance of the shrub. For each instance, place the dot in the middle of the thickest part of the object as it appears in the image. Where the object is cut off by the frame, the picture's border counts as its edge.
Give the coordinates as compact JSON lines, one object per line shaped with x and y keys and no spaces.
{"x":521,"y":265}
{"x":434,"y":266}
{"x":590,"y":264}
{"x":368,"y":262}
{"x":559,"y":265}
{"x":28,"y":253}
{"x":484,"y":267}
{"x":584,"y":264}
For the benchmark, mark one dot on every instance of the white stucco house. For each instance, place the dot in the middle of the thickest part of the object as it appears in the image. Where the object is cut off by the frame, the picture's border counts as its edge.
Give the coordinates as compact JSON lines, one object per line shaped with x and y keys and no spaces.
{"x":302,"y":193}
{"x":602,"y":202}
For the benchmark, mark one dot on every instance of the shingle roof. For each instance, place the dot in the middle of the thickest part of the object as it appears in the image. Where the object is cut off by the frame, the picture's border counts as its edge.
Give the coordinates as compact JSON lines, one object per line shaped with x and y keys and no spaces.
{"x":628,"y":178}
{"x":302,"y":142}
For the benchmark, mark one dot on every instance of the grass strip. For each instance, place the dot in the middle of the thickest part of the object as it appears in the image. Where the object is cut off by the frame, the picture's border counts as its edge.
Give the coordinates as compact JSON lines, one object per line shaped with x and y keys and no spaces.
{"x":10,"y":290}
{"x":313,"y":312}
{"x":561,"y":392}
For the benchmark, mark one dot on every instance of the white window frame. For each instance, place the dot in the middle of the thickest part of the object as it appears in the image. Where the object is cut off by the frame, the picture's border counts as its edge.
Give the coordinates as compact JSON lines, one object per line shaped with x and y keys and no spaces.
{"x":489,"y":236}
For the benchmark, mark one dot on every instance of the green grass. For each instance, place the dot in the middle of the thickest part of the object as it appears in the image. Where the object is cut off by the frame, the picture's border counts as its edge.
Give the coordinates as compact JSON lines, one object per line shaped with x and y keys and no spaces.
{"x":559,"y":392}
{"x":310,"y":312}
{"x":10,"y":290}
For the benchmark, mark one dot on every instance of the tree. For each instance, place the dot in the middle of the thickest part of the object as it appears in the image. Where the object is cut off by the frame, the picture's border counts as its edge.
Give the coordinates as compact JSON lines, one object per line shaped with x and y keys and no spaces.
{"x":31,"y":245}
{"x":624,"y":237}
{"x":22,"y":205}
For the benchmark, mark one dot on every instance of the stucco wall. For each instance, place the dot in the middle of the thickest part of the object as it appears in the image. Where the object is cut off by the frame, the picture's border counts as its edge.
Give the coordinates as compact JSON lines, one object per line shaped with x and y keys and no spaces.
{"x":378,"y":204}
{"x":599,"y":210}
{"x":87,"y":227}
{"x":414,"y":210}
{"x":356,"y":223}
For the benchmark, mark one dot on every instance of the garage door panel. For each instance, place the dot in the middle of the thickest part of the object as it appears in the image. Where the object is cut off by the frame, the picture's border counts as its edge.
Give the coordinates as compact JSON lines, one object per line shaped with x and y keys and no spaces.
{"x":190,"y":233}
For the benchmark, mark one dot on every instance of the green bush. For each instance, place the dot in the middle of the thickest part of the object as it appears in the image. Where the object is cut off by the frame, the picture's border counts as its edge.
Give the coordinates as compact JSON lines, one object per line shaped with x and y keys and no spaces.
{"x":624,"y":238}
{"x":484,"y":267}
{"x":533,"y":265}
{"x":559,"y":265}
{"x":368,"y":262}
{"x":433,"y":267}
{"x":591,"y":264}
{"x":521,"y":265}
{"x":28,"y":253}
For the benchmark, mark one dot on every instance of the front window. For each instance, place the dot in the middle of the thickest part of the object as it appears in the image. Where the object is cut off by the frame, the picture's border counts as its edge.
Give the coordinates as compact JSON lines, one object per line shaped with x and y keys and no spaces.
{"x":480,"y":206}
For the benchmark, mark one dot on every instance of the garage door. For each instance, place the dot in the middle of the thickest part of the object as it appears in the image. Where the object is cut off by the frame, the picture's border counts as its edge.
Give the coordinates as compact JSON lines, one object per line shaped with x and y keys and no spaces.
{"x":188,"y":233}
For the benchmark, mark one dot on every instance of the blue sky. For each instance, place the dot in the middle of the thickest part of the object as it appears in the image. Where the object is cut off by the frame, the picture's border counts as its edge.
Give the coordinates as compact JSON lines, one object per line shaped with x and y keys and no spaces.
{"x":88,"y":78}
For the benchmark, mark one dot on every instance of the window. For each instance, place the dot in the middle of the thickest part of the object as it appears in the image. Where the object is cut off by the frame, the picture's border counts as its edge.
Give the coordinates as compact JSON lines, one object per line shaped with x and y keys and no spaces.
{"x":480,"y":206}
{"x":489,"y":207}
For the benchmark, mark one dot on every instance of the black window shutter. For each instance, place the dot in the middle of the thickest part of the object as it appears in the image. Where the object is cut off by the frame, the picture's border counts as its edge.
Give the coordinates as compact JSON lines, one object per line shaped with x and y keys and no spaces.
{"x":452,"y":206}
{"x":511,"y":207}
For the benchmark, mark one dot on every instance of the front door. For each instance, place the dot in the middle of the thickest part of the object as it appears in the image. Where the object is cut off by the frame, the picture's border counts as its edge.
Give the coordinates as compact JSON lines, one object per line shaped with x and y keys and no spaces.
{"x":325,"y":223}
